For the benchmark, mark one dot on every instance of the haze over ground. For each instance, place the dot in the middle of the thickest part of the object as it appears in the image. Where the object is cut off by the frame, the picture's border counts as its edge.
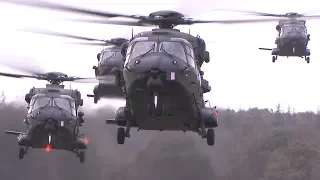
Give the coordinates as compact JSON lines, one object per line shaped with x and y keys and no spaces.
{"x":240,"y":74}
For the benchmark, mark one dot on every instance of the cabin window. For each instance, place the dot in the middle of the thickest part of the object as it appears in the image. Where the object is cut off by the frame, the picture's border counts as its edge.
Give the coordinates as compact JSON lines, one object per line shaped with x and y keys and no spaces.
{"x":62,"y":103}
{"x":175,"y":49}
{"x":142,"y":47}
{"x":106,"y":56}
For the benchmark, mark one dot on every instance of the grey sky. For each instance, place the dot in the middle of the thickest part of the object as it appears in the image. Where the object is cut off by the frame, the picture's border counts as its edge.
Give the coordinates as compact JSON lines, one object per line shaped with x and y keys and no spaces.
{"x":240,"y":74}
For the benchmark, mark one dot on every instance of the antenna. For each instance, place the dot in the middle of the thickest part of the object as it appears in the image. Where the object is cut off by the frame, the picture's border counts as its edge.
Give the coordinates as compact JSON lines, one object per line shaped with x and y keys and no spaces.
{"x":132,"y":33}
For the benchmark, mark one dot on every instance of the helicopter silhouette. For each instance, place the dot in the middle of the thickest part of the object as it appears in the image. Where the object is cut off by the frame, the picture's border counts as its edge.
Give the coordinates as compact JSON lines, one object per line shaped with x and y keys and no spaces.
{"x":53,"y":119}
{"x":110,"y":63}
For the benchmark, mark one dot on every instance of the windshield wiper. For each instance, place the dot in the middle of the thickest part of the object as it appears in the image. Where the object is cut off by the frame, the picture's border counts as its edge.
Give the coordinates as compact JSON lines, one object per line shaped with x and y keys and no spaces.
{"x":163,"y":50}
{"x":151,"y":49}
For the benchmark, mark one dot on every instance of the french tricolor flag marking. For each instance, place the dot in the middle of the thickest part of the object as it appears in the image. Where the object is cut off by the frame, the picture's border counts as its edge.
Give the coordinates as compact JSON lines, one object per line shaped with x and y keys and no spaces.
{"x":172,"y":76}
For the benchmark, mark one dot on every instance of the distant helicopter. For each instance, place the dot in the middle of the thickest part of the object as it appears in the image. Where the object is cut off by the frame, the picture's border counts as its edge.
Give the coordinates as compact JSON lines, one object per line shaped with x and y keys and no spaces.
{"x":110,"y":63}
{"x":53,"y":119}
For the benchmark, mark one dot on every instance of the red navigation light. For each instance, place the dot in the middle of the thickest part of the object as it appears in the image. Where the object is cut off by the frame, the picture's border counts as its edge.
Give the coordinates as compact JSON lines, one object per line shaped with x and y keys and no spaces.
{"x":86,"y":141}
{"x":215,"y":113}
{"x":48,"y":148}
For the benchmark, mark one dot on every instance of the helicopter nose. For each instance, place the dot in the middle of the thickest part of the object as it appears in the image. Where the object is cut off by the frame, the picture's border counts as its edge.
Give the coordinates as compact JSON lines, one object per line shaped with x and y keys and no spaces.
{"x":50,"y":125}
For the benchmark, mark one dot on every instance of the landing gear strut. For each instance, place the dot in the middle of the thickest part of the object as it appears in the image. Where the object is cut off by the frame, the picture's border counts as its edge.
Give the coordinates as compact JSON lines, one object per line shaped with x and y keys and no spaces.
{"x":124,"y":133}
{"x":274,"y":58}
{"x":307,"y":58}
{"x":22,"y":152}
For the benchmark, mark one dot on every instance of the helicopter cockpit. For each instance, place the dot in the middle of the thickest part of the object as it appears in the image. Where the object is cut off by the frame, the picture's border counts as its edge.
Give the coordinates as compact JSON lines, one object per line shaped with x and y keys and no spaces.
{"x":62,"y":101}
{"x":174,"y":47}
{"x":286,"y":30}
{"x":106,"y":55}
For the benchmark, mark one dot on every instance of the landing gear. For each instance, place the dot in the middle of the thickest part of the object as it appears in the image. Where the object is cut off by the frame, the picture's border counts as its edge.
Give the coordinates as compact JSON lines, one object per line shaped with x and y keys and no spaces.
{"x":22,"y":152}
{"x":121,"y":135}
{"x":307,"y":58}
{"x":124,"y":133}
{"x":95,"y":99}
{"x":274,"y":58}
{"x":210,"y":137}
{"x":82,"y":156}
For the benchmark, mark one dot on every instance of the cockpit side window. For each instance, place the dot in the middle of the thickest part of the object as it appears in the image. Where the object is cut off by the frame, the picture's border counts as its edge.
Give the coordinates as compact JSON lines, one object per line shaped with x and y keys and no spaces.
{"x":73,"y":107}
{"x":142,"y":47}
{"x":174,"y":49}
{"x":62,"y":103}
{"x":190,"y":56}
{"x":40,"y":102}
{"x":107,"y":55}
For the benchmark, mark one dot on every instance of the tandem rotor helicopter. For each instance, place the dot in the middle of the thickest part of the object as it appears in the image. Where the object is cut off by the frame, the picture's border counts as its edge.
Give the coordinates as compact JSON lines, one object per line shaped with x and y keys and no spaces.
{"x":162,"y":81}
{"x":53,"y":119}
{"x":110,"y":63}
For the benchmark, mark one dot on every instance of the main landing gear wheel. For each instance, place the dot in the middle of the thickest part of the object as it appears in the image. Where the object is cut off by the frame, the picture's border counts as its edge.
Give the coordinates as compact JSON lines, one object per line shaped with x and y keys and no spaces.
{"x":82,"y":156}
{"x":274,"y":58}
{"x":95,"y":100}
{"x":121,"y":135}
{"x":308,"y":59}
{"x":210,"y":137}
{"x":21,"y":153}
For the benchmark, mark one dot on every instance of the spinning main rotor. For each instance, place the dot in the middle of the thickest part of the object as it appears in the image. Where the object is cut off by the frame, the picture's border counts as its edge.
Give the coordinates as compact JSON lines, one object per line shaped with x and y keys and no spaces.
{"x":163,"y":19}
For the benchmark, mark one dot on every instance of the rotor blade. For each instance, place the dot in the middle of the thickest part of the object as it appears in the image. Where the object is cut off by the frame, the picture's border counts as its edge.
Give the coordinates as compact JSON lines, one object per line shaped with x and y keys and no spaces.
{"x":52,"y":33}
{"x":91,"y":44}
{"x":256,"y":13}
{"x":241,"y":21}
{"x":113,"y":22}
{"x":310,"y":17}
{"x":17,"y":75}
{"x":23,"y":64}
{"x":86,"y":80}
{"x":60,"y":7}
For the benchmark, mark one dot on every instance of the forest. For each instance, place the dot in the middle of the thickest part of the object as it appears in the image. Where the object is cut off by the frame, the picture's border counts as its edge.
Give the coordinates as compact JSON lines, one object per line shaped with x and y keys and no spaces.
{"x":253,"y":144}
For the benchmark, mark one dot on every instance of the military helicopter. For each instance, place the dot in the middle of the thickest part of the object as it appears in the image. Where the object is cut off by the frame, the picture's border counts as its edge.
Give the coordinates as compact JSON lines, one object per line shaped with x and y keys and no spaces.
{"x":53,"y":119}
{"x":110,"y":63}
{"x":292,"y":40}
{"x":163,"y":84}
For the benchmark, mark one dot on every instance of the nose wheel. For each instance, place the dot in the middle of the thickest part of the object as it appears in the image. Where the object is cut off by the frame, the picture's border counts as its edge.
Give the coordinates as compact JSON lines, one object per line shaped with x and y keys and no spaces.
{"x":22,"y":152}
{"x":210,"y":137}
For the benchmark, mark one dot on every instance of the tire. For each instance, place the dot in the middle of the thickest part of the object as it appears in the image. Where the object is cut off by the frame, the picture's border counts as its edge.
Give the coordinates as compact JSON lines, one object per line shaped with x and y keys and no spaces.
{"x":273,"y":59}
{"x":82,"y":156}
{"x":21,"y":153}
{"x":308,"y":60}
{"x":121,"y":135}
{"x":210,"y":137}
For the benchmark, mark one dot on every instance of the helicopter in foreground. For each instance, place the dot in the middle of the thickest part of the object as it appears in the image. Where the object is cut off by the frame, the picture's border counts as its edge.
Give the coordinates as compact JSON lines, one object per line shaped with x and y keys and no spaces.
{"x":110,"y":63}
{"x":53,"y":119}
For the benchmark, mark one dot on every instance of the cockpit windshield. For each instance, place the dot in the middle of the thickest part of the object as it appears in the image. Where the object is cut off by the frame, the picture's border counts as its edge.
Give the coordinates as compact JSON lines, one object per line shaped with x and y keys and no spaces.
{"x":294,"y":29}
{"x":62,"y":103}
{"x":173,"y":49}
{"x":107,"y":55}
{"x":143,"y":47}
{"x":40,"y":102}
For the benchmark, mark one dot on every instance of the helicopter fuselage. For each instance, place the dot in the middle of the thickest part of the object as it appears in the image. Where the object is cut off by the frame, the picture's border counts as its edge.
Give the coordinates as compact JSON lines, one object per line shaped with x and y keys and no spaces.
{"x":164,"y":91}
{"x":51,"y":124}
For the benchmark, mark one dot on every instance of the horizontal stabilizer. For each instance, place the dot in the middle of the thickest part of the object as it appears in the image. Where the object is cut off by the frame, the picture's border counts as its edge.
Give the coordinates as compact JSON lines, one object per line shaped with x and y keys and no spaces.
{"x":90,"y":95}
{"x":267,"y":49}
{"x":111,"y":121}
{"x":15,"y":132}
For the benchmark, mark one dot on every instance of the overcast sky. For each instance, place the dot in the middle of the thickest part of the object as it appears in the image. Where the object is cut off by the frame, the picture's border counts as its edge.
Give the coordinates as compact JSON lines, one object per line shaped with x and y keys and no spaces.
{"x":241,"y":76}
